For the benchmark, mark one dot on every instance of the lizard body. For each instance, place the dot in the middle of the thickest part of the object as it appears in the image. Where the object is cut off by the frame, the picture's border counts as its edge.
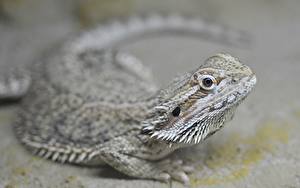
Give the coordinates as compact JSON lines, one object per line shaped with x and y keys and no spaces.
{"x":89,"y":103}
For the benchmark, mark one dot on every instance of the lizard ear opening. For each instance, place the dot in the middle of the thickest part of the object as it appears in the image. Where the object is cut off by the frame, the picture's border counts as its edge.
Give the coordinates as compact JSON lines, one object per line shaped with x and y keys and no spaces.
{"x":176,"y":111}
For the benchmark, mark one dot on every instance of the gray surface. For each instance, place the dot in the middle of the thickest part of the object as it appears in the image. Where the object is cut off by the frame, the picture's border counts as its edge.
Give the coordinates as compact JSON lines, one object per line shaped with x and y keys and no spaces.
{"x":259,"y":148}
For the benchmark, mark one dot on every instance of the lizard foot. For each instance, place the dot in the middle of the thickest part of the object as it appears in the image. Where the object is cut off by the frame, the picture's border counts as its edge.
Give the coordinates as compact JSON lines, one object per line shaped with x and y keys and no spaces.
{"x":174,"y":169}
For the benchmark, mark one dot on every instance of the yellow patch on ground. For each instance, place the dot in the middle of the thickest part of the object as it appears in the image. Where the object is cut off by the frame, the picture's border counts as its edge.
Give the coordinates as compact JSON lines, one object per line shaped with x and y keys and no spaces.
{"x":70,"y":179}
{"x":9,"y":186}
{"x":298,"y":114}
{"x":20,"y":171}
{"x":6,"y":117}
{"x":236,"y":158}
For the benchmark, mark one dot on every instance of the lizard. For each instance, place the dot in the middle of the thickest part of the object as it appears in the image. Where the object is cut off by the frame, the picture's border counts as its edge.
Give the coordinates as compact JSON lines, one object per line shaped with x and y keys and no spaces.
{"x":89,"y":103}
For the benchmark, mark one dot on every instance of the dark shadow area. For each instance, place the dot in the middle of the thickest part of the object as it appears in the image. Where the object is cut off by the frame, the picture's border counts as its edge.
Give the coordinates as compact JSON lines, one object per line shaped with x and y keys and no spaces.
{"x":110,"y":173}
{"x":9,"y":102}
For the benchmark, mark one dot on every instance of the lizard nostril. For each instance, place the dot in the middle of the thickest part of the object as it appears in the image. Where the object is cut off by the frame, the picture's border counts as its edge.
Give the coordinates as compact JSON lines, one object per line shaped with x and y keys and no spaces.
{"x":234,"y":80}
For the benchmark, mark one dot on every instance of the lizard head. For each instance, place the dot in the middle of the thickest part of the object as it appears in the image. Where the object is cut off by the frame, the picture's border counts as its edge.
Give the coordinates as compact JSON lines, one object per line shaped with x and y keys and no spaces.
{"x":197,"y":104}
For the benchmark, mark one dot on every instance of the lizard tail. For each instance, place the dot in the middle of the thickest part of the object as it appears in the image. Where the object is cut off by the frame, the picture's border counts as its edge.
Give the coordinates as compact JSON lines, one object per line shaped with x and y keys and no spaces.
{"x":114,"y":33}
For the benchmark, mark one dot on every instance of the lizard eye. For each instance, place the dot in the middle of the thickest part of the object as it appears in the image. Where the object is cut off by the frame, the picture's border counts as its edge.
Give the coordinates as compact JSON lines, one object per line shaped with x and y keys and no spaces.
{"x":207,"y":82}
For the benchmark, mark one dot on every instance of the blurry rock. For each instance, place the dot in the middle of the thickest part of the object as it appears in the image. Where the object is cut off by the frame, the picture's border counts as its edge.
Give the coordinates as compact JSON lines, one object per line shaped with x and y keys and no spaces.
{"x":91,"y":12}
{"x":32,"y":12}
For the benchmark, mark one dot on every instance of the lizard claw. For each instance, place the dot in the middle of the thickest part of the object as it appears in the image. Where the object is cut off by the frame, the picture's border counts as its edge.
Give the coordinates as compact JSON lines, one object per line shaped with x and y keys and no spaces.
{"x":181,"y":177}
{"x":188,"y":169}
{"x":163,"y":177}
{"x":175,"y":170}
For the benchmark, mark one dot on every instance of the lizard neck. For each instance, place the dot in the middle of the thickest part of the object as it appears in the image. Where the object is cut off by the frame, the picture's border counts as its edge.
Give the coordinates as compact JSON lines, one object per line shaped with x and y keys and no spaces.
{"x":165,"y":98}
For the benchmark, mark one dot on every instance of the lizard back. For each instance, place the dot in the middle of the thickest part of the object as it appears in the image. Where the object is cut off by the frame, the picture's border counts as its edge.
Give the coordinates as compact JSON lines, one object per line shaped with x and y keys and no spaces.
{"x":77,"y":107}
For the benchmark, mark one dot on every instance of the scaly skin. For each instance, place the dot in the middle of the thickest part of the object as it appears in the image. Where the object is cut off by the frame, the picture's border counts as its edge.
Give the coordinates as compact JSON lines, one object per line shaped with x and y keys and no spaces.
{"x":86,"y":104}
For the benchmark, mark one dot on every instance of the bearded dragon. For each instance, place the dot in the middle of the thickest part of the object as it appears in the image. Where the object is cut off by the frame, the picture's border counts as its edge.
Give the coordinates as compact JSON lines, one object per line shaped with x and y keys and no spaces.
{"x":89,"y":103}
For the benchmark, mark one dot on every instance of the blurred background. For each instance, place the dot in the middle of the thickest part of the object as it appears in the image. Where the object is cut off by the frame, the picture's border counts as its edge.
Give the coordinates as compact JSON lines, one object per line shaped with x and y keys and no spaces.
{"x":259,"y":148}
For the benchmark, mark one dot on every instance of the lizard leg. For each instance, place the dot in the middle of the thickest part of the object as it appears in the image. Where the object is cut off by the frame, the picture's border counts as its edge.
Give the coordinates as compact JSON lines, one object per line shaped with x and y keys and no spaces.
{"x":14,"y":84}
{"x":120,"y":155}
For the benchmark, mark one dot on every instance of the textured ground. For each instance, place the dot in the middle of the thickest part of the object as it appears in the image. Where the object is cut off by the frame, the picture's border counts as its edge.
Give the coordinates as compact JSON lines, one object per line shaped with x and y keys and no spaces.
{"x":259,"y":148}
